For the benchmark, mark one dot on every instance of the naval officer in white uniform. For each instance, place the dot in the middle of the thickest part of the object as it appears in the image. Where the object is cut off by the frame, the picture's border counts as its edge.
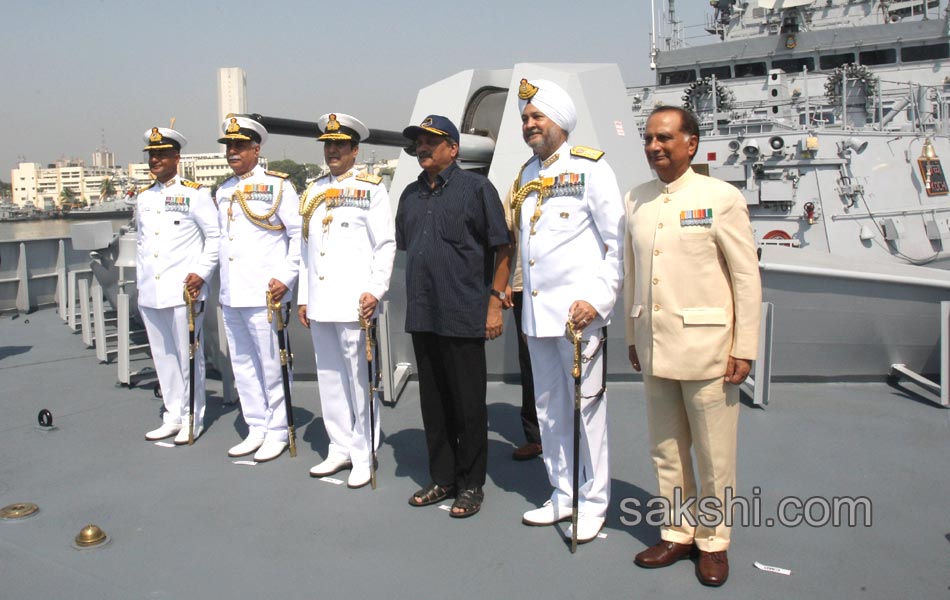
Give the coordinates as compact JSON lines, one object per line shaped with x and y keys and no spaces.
{"x":569,"y":236}
{"x":347,"y":259}
{"x":259,"y":252}
{"x":177,"y":246}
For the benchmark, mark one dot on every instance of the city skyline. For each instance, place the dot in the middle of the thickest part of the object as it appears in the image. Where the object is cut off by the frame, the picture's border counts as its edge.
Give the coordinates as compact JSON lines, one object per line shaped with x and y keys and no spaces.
{"x":81,"y":73}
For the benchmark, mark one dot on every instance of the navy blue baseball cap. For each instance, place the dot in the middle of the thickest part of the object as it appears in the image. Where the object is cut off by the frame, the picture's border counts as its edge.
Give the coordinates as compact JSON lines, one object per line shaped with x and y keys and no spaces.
{"x":434,"y":124}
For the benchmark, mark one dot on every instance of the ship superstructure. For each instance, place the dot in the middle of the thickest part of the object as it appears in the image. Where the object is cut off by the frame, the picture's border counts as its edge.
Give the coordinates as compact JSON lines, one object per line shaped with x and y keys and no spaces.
{"x":831,"y":116}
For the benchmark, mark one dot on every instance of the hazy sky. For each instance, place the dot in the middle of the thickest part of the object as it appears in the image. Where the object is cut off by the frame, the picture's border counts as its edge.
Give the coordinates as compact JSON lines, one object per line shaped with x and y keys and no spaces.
{"x":72,"y":72}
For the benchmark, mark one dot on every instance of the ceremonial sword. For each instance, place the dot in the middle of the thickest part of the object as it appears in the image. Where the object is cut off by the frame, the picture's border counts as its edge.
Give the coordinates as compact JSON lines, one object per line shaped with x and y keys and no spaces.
{"x":276,"y":308}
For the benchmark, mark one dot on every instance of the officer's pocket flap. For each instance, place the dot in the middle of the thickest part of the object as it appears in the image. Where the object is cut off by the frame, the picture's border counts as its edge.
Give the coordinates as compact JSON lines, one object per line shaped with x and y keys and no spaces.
{"x":704,"y":316}
{"x":635,"y":310}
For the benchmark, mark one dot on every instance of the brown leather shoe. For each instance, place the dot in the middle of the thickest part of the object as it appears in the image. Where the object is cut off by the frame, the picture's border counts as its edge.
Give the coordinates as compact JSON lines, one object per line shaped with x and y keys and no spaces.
{"x":527,"y":452}
{"x":663,"y":554}
{"x":712,"y":568}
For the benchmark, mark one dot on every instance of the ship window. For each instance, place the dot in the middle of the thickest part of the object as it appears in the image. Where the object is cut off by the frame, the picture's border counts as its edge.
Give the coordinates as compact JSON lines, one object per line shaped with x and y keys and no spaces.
{"x":921,"y":53}
{"x":833,"y":61}
{"x":826,"y":118}
{"x":720,"y":72}
{"x":676,"y":77}
{"x":751,"y":70}
{"x":794,"y":65}
{"x":878,"y":57}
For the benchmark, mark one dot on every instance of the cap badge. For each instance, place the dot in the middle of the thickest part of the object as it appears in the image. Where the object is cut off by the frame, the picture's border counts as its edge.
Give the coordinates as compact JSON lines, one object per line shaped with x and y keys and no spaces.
{"x":233,"y":127}
{"x":526,"y":91}
{"x":333,"y":124}
{"x":427,"y":122}
{"x":156,"y":136}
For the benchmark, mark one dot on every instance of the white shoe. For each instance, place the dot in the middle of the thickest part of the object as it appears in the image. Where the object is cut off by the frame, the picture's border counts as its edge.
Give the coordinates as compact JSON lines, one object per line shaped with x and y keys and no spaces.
{"x":330,"y":466}
{"x":250,"y":444}
{"x":548,"y":514}
{"x":269,"y":450}
{"x":165,"y":431}
{"x":587,"y":528}
{"x":359,"y":477}
{"x":182,"y":438}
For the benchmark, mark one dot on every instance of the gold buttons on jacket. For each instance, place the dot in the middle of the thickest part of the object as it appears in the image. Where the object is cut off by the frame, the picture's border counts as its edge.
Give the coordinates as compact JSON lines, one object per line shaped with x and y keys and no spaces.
{"x":158,"y":276}
{"x":531,"y":263}
{"x":534,"y":292}
{"x":156,"y":255}
{"x":666,"y":200}
{"x":231,"y":258}
{"x":656,"y":253}
{"x":322,"y":253}
{"x":656,"y":307}
{"x":321,"y":278}
{"x":656,"y":280}
{"x":659,"y":225}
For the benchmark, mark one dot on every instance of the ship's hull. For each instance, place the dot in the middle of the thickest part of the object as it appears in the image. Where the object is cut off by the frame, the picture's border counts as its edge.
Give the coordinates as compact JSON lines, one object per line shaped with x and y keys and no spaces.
{"x":851,"y":319}
{"x":97,"y":214}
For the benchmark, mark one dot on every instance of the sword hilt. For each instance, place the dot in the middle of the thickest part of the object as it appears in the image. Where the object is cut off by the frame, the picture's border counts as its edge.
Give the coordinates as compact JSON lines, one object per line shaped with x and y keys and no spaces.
{"x":575,"y":337}
{"x":366,"y":325}
{"x":190,"y":304}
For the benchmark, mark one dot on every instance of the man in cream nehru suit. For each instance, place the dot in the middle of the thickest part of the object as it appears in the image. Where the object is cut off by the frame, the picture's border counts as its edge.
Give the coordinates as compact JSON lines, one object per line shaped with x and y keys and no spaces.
{"x":177,"y":247}
{"x":259,"y":253}
{"x":692,"y":297}
{"x":347,"y":255}
{"x":569,"y":226}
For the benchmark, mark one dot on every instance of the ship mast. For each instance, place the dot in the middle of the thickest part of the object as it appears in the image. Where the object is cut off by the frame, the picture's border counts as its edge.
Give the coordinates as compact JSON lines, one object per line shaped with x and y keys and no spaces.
{"x":675,"y":40}
{"x":653,"y":35}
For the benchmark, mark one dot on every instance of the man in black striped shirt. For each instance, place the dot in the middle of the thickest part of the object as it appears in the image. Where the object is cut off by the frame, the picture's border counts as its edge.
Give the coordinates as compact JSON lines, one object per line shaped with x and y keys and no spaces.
{"x":451,"y":224}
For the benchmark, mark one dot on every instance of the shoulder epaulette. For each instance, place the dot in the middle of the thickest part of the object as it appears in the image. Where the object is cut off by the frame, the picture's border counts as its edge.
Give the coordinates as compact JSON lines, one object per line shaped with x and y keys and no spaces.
{"x":588,"y":153}
{"x":147,"y":187}
{"x":191,"y":184}
{"x":277,"y":174}
{"x":374,"y":179}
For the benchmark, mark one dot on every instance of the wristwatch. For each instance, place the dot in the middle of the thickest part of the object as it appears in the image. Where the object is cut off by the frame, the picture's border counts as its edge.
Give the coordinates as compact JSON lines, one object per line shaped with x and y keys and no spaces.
{"x":500,"y":295}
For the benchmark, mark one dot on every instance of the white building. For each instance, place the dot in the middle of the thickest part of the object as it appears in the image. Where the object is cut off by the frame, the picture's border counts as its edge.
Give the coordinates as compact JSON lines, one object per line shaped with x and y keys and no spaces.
{"x":207,"y":169}
{"x":23,"y":184}
{"x":232,"y":93}
{"x":103,"y":158}
{"x":42,"y":188}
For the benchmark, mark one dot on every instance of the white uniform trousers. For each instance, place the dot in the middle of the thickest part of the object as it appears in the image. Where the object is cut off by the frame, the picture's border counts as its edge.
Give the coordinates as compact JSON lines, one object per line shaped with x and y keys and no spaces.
{"x":552,"y":360}
{"x":168,"y":339}
{"x":255,"y":360}
{"x":704,"y":415}
{"x":341,"y":376}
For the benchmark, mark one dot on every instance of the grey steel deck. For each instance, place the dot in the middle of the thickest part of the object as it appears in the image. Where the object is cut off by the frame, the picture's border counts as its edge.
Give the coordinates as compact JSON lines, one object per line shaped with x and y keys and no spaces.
{"x":187,"y":523}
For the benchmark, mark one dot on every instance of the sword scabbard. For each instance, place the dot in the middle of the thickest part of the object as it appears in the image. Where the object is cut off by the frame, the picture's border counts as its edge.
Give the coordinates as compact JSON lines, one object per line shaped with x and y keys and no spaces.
{"x":292,"y":439}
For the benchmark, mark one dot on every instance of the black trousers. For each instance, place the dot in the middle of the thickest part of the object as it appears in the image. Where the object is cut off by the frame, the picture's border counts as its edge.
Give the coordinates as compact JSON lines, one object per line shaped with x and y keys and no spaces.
{"x":452,"y":386}
{"x":529,"y":413}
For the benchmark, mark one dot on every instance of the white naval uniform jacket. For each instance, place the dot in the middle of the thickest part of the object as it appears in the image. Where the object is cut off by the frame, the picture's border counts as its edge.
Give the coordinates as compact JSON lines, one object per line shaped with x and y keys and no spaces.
{"x":574,"y":253}
{"x":250,"y":255}
{"x":352,"y":254}
{"x":692,"y":289}
{"x":177,"y":235}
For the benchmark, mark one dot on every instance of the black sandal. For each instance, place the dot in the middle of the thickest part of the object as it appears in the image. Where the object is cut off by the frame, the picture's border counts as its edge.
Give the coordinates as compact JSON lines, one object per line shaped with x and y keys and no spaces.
{"x":469,"y":502}
{"x":431,"y":494}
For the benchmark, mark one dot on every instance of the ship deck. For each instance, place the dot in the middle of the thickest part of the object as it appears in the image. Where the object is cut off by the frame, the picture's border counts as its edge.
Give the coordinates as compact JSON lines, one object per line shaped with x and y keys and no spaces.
{"x":186,"y":522}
